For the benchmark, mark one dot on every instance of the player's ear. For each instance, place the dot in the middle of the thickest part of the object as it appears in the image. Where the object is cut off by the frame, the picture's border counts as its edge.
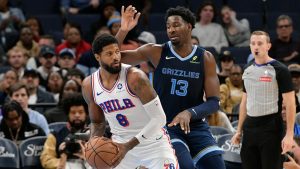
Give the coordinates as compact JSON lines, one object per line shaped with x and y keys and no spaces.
{"x":97,"y":56}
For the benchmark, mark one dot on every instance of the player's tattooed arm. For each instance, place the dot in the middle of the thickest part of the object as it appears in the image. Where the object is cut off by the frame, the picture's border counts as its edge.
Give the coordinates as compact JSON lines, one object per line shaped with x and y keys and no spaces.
{"x":140,"y":85}
{"x":96,"y":114}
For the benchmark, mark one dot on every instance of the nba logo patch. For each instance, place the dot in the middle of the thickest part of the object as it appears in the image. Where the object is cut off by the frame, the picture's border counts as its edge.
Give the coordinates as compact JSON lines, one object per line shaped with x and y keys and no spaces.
{"x":119,"y":86}
{"x":168,"y":165}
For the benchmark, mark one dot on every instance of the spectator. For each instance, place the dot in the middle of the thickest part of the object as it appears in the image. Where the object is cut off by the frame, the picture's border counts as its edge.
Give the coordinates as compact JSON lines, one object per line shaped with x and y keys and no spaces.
{"x":236,"y":31}
{"x":54,"y":84}
{"x":76,"y":75}
{"x":57,"y":114}
{"x":284,"y":47}
{"x":195,"y":40}
{"x":66,"y":59}
{"x":15,"y":124}
{"x":10,"y":19}
{"x":47,"y":58}
{"x":114,"y":23}
{"x":19,"y":93}
{"x":79,"y":6}
{"x":35,"y":25}
{"x":231,"y":92}
{"x":227,"y":62}
{"x":210,"y":34}
{"x":10,"y":78}
{"x":37,"y":93}
{"x":108,"y":10}
{"x":295,"y":72}
{"x":74,"y":41}
{"x":17,"y":60}
{"x":56,"y":152}
{"x":47,"y":40}
{"x":27,"y":43}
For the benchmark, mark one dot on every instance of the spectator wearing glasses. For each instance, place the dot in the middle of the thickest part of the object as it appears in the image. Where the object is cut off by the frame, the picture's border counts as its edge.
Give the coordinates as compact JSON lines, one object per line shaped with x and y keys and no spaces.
{"x":284,"y":47}
{"x":231,"y":92}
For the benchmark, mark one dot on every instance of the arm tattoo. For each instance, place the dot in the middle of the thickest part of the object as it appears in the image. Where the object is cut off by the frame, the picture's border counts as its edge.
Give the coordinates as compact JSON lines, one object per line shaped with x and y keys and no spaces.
{"x":97,"y":129}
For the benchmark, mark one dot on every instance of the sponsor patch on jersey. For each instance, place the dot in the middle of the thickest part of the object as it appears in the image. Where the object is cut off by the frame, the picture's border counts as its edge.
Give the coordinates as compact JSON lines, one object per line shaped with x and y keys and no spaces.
{"x":265,"y":79}
{"x":119,"y":86}
{"x":195,"y":60}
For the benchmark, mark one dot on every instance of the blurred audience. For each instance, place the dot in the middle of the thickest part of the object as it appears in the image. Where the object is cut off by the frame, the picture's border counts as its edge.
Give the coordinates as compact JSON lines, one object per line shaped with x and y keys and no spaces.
{"x":20,"y":93}
{"x":227,"y":62}
{"x":10,"y":78}
{"x":27,"y":43}
{"x":210,"y":33}
{"x":74,"y":41}
{"x":55,"y":83}
{"x":35,"y":25}
{"x":231,"y":92}
{"x":284,"y":48}
{"x":57,"y":152}
{"x":15,"y":124}
{"x":236,"y":31}
{"x":79,"y":6}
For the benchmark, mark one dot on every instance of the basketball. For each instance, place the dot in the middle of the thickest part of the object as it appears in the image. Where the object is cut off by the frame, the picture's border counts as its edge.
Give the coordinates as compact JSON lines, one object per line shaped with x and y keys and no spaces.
{"x":100,"y":151}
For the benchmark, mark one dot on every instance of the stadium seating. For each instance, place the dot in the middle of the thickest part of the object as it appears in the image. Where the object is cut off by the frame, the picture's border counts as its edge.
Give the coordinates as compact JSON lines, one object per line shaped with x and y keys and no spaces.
{"x":218,"y":131}
{"x":9,"y":154}
{"x":30,"y":151}
{"x":231,"y":154}
{"x":38,"y":7}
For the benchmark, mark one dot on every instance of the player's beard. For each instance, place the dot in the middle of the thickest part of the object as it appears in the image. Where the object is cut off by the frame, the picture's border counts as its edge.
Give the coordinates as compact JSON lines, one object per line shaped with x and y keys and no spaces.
{"x":110,"y":69}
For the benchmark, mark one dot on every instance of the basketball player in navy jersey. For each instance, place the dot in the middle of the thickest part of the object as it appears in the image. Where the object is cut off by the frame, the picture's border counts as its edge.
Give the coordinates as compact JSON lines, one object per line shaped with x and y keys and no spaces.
{"x":123,"y":95}
{"x":184,"y":72}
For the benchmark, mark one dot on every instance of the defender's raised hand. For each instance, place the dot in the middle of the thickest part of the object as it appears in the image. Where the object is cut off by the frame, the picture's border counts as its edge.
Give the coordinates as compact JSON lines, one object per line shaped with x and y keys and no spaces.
{"x":130,"y":17}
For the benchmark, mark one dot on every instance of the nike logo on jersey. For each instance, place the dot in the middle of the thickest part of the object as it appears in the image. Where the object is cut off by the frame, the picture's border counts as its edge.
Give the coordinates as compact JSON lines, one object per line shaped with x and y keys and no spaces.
{"x":159,"y":137}
{"x":99,"y":93}
{"x":168,"y":58}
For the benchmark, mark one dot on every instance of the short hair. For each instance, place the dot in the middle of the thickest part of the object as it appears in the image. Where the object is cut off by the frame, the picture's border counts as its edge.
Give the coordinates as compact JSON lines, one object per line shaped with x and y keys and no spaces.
{"x":262,"y":33}
{"x":283,"y":17}
{"x":185,"y":14}
{"x":16,"y":49}
{"x":74,"y":99}
{"x":13,"y":105}
{"x":17,"y":86}
{"x":102,"y":41}
{"x":75,"y":72}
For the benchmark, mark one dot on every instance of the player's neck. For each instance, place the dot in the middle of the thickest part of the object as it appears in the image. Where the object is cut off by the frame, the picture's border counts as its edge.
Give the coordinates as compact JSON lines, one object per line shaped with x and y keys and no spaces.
{"x":183,"y":49}
{"x":108,"y":79}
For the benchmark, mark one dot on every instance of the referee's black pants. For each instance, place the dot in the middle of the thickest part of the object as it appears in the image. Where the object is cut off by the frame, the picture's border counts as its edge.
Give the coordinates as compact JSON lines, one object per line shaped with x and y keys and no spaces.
{"x":261,"y":145}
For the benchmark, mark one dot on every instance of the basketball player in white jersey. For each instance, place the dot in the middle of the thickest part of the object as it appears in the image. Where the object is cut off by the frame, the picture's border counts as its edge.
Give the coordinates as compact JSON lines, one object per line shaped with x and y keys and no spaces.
{"x":124,"y":96}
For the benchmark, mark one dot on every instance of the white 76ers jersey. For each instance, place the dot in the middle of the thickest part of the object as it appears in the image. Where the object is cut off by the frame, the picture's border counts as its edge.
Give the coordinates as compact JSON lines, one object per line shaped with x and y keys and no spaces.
{"x":122,"y":109}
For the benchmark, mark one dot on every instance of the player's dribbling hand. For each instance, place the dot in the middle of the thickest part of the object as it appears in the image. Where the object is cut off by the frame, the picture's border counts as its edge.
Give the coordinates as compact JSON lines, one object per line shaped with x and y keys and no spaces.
{"x":236,"y":139}
{"x":183,"y":118}
{"x":129,"y":18}
{"x":122,"y":150}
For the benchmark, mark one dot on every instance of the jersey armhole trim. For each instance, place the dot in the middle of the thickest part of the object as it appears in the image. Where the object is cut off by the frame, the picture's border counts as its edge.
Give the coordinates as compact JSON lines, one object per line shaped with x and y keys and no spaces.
{"x":93,"y":91}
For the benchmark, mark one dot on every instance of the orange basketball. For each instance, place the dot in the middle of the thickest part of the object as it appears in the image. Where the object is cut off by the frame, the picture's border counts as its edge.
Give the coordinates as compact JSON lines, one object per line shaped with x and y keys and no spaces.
{"x":100,"y":151}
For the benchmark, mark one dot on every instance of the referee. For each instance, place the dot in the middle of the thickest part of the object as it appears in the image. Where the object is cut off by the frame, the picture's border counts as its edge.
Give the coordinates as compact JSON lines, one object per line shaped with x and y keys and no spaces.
{"x":267,"y":84}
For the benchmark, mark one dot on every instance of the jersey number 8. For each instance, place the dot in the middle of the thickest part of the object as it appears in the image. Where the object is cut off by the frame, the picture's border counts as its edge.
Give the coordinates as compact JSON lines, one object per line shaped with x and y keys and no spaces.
{"x":122,"y":120}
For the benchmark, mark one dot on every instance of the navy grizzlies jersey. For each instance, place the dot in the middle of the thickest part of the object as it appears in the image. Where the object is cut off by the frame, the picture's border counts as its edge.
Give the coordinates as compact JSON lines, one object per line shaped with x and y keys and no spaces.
{"x":179,"y":80}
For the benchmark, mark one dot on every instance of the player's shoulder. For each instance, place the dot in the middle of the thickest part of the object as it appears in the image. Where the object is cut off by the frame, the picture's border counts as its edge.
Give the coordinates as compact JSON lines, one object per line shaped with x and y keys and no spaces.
{"x":134,"y":74}
{"x":87,"y":81}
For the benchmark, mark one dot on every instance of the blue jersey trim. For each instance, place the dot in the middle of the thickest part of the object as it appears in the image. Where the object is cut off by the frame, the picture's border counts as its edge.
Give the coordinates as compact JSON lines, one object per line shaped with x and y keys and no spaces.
{"x":178,"y":56}
{"x":207,"y":150}
{"x":180,"y":141}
